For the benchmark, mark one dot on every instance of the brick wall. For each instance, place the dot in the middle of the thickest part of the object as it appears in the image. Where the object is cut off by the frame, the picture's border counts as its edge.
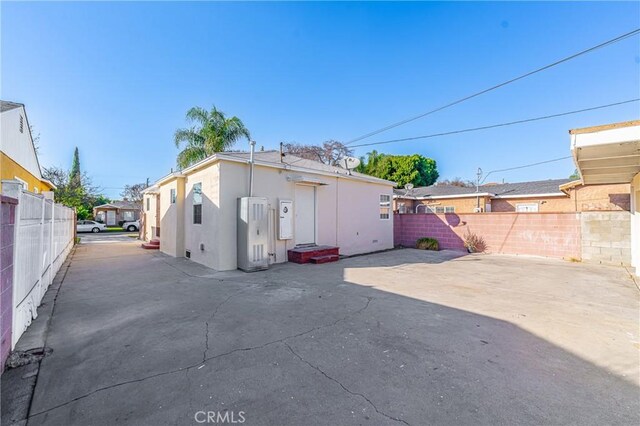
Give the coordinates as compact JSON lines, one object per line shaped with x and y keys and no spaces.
{"x":540,"y":234}
{"x":606,"y":237}
{"x":7,"y":221}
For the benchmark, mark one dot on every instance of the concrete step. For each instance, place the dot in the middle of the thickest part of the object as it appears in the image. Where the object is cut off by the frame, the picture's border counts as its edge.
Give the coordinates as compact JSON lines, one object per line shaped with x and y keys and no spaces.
{"x":324,"y":259}
{"x":149,"y":246}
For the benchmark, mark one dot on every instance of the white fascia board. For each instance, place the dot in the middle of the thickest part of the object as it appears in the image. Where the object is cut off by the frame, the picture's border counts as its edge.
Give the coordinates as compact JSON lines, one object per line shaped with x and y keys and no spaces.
{"x":444,"y":197}
{"x":550,"y":194}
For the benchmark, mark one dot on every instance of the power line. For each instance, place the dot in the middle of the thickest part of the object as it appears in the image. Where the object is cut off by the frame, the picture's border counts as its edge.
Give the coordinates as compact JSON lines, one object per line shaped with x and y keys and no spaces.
{"x":493,"y":126}
{"x":466,"y":98}
{"x":525,"y":166}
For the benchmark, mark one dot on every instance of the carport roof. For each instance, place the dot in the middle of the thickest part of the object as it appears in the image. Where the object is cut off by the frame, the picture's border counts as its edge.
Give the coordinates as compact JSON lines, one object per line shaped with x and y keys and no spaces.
{"x":607,"y":154}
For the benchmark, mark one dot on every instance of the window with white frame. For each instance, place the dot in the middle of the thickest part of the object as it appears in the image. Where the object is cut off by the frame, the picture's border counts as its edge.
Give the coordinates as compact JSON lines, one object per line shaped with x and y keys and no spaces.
{"x":385,"y":206}
{"x":127,"y":215}
{"x":148,"y":203}
{"x":173,"y":195}
{"x":527,"y":207}
{"x":449,"y":209}
{"x":197,"y":203}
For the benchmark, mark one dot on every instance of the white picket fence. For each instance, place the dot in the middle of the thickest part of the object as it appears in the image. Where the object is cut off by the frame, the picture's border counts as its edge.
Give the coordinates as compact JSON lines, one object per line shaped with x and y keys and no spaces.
{"x":44,"y":233}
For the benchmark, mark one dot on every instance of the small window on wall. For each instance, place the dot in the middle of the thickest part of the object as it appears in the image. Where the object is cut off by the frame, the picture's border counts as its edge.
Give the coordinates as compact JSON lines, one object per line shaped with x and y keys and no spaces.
{"x":527,"y":207}
{"x":127,"y":215}
{"x":148,"y":204}
{"x":172,"y":196}
{"x":449,"y":209}
{"x":385,"y":206}
{"x":21,"y":124}
{"x":439,"y":210}
{"x":197,"y":203}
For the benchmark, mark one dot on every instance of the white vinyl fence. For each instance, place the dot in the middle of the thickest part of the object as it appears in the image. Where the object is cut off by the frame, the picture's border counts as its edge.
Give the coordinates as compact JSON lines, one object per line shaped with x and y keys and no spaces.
{"x":44,"y":233}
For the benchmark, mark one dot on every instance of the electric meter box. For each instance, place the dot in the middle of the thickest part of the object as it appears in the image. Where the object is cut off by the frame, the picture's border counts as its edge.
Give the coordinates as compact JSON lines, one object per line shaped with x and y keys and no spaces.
{"x":285,"y":220}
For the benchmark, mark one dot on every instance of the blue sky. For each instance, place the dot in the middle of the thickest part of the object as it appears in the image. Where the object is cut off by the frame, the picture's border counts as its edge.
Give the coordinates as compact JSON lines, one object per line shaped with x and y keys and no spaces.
{"x":115,"y":79}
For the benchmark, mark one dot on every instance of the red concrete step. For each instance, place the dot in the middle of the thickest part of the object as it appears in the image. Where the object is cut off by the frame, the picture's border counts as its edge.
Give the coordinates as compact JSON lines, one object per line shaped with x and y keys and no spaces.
{"x":324,"y":259}
{"x":155,"y":242}
{"x":150,"y":246}
{"x":304,"y":254}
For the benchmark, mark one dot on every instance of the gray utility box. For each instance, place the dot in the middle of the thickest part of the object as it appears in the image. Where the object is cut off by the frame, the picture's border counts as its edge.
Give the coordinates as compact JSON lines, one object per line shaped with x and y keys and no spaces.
{"x":253,"y":234}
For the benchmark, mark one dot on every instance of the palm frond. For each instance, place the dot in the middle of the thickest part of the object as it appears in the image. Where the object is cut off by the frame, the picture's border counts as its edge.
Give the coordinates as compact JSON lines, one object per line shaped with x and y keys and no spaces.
{"x":191,"y":155}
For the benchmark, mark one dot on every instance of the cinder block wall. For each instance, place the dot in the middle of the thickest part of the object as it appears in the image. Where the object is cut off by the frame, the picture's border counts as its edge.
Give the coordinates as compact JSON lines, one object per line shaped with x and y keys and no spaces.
{"x":539,"y":234}
{"x":606,"y":237}
{"x":7,"y":221}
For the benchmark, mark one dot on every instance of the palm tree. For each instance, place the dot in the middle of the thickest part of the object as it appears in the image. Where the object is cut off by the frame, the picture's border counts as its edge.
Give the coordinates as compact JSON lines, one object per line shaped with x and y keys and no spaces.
{"x":212,"y":132}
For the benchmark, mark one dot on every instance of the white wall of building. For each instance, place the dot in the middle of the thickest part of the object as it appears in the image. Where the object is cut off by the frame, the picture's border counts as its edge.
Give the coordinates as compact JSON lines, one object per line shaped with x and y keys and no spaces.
{"x":16,"y":145}
{"x":347,"y":212}
{"x":172,"y":218}
{"x":207,"y":233}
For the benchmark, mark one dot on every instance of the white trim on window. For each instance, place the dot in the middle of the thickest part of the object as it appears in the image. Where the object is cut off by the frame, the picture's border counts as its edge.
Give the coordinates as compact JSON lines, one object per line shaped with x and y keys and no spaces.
{"x":526,"y":207}
{"x":385,"y":206}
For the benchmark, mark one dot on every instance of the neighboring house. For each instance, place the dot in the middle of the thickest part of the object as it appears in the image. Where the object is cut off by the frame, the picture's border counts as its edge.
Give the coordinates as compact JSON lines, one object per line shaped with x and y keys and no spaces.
{"x":18,"y":156}
{"x":554,"y":195}
{"x":194,"y":213}
{"x":116,"y":212}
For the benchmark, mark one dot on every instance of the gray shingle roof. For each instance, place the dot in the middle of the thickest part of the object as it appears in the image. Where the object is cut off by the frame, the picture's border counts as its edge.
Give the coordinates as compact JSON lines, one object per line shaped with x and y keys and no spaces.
{"x":7,"y":106}
{"x":538,"y":187}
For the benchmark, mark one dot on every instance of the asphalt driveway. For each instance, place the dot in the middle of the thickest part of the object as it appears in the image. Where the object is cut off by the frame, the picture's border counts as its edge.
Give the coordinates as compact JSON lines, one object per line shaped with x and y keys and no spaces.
{"x":403,"y":337}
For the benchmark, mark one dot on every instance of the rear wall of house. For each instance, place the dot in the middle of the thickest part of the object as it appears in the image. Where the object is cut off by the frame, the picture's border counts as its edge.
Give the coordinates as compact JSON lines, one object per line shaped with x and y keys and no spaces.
{"x":347,"y":212}
{"x":612,"y":197}
{"x":545,"y":204}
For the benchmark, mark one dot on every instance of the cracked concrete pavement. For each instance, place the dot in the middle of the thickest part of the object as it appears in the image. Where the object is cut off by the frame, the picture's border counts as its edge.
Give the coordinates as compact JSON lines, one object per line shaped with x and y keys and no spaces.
{"x":403,"y":337}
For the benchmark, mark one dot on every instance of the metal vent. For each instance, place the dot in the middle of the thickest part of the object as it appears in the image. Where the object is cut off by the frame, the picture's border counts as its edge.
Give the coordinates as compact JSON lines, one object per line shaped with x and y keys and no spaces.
{"x":258,"y":252}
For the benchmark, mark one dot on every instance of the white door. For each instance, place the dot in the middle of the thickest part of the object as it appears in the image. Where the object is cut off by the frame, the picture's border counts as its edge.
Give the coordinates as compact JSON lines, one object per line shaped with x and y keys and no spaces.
{"x":305,"y":217}
{"x":111,"y":217}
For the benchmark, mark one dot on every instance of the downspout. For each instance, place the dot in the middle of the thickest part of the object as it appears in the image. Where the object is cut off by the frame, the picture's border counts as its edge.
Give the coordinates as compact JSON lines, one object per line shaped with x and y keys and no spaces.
{"x":251,"y":164}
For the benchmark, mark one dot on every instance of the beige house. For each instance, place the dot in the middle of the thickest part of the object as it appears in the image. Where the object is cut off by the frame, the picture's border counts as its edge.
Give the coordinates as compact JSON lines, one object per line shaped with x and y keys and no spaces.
{"x":194,"y":212}
{"x":546,"y":196}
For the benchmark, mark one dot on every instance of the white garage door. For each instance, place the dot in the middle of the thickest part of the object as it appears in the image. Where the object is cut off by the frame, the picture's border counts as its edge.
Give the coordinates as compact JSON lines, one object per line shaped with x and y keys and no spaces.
{"x":305,"y":220}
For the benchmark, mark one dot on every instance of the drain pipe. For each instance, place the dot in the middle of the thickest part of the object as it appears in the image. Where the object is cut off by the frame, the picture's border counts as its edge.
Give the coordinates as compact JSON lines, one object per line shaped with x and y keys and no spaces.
{"x":253,"y":148}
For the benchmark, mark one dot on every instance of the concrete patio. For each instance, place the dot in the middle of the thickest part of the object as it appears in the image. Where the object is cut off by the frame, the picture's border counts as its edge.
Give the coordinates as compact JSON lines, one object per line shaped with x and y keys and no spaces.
{"x":402,"y":337}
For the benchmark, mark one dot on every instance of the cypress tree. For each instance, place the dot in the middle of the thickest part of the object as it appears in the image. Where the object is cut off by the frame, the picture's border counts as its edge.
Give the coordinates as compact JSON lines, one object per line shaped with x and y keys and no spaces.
{"x":74,"y":176}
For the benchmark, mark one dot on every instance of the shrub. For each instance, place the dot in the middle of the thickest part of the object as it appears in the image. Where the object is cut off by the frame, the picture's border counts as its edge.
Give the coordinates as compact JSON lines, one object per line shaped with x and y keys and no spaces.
{"x":427,"y":243}
{"x":474,"y":243}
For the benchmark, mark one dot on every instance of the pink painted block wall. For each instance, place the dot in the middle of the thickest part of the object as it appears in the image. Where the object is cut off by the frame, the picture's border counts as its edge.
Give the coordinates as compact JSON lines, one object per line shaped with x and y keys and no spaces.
{"x":539,"y":234}
{"x":7,"y":221}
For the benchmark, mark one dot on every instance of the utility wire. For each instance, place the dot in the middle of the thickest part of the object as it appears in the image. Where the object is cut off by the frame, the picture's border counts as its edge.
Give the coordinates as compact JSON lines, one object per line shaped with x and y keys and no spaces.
{"x":524,"y":166}
{"x":466,"y":98}
{"x":493,"y":126}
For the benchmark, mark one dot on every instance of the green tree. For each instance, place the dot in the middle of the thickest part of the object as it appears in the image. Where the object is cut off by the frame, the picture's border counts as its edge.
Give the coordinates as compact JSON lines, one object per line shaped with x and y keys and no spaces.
{"x":402,"y":169}
{"x":75,"y":192}
{"x":575,"y":175}
{"x":75,"y":175}
{"x":211,"y":132}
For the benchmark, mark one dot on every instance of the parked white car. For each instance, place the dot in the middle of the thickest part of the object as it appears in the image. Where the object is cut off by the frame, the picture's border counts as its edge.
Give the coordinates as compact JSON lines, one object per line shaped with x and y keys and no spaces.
{"x":131,"y":226}
{"x":90,"y":226}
